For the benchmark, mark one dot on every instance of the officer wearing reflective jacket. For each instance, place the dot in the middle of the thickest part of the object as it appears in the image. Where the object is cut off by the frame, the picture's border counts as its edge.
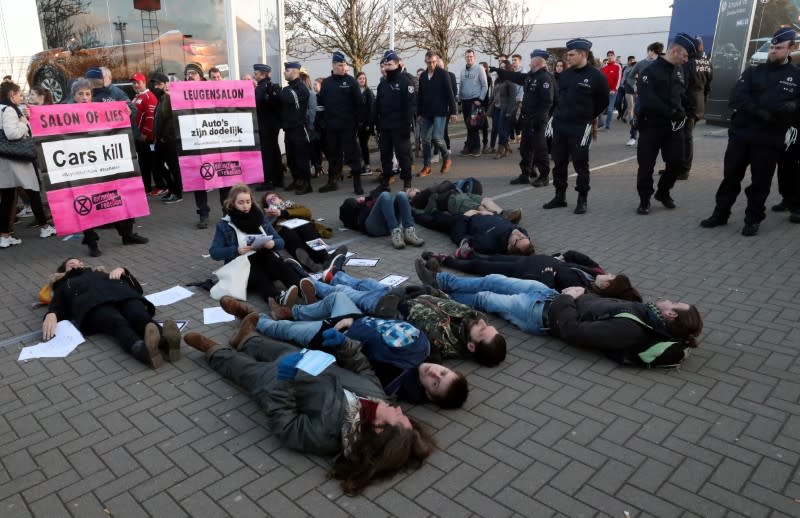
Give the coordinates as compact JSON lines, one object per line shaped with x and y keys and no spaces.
{"x":765,"y":101}
{"x":582,"y":96}
{"x":538,"y":91}
{"x":395,"y":106}
{"x":661,"y":121}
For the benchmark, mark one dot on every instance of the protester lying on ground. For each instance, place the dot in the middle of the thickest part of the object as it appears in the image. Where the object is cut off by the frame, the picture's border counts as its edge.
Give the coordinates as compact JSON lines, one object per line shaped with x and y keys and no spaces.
{"x":110,"y":303}
{"x":488,"y":233}
{"x":453,"y":329}
{"x":446,"y":197}
{"x":296,"y":239}
{"x":397,"y":350}
{"x":245,"y":240}
{"x":341,"y":412}
{"x":558,"y":272}
{"x":631,"y":333}
{"x":381,"y":214}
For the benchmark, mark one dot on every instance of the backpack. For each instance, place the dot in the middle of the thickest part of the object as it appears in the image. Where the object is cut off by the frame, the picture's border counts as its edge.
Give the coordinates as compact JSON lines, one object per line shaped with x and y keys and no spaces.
{"x":470,"y":185}
{"x":665,"y":355}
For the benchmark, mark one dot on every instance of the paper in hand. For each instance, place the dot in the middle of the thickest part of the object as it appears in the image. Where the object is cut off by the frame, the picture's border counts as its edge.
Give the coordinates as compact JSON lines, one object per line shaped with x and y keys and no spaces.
{"x":314,"y":362}
{"x":66,"y":339}
{"x":256,"y":241}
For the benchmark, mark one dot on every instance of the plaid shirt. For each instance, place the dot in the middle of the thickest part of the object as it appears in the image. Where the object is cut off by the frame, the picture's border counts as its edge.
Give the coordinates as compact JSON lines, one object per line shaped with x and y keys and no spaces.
{"x":395,"y":333}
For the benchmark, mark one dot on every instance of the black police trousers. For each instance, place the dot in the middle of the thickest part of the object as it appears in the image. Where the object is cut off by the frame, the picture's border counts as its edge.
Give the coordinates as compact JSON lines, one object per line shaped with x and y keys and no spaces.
{"x":397,"y":141}
{"x":568,"y":146}
{"x":762,"y":158}
{"x":342,"y":146}
{"x":789,"y":176}
{"x":298,"y":153}
{"x":533,"y":149}
{"x":652,"y":141}
{"x":271,"y":156}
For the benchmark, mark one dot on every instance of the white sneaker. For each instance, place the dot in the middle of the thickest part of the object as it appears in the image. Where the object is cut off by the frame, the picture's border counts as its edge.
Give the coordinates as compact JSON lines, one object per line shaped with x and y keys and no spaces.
{"x":26,"y":212}
{"x":631,"y":142}
{"x":7,"y":241}
{"x":47,"y":231}
{"x":435,"y":159}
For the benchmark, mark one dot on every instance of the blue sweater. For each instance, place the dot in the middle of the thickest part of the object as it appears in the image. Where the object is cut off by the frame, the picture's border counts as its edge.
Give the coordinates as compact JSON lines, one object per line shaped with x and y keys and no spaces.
{"x":225,"y":246}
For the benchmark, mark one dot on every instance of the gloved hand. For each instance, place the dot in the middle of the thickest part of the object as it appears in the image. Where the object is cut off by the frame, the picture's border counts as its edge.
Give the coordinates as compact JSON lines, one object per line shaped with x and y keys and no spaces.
{"x":332,"y":338}
{"x":287,"y":366}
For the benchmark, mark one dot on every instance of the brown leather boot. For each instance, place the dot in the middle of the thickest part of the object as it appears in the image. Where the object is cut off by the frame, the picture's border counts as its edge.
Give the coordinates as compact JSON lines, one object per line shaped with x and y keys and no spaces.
{"x":308,"y":290}
{"x":279,"y":312}
{"x":199,"y":342}
{"x":235,"y":307}
{"x":247,"y":328}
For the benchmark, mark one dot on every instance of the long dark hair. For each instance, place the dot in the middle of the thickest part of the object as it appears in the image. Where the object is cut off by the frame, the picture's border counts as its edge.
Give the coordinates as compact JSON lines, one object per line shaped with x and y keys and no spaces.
{"x":619,"y":288}
{"x":44,"y":92}
{"x":376,"y":456}
{"x":6,"y":89}
{"x":687,"y":325}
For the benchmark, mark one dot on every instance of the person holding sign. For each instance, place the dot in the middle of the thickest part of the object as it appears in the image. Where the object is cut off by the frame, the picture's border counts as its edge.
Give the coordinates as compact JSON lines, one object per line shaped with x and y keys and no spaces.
{"x":112,"y":304}
{"x":341,"y":411}
{"x":245,"y":234}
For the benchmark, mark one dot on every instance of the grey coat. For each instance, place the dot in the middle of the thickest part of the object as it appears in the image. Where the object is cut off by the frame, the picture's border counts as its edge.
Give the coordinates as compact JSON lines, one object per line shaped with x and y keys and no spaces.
{"x":16,"y":173}
{"x":505,"y":96}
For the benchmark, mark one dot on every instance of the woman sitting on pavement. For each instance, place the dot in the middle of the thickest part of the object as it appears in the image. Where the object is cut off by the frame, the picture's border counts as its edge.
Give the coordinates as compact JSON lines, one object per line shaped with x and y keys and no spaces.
{"x":397,"y":350}
{"x":112,"y":304}
{"x":341,"y":412}
{"x":631,"y":333}
{"x":558,"y":272}
{"x":237,"y":235}
{"x":296,"y":239}
{"x":445,"y":197}
{"x":381,"y":214}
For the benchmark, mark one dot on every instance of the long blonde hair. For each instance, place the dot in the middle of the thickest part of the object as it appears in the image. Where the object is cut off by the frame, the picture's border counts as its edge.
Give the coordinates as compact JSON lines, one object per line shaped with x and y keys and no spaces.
{"x":235,"y":191}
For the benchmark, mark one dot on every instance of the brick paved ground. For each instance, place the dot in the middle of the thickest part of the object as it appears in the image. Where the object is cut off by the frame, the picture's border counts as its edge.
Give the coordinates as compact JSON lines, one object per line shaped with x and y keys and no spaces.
{"x":553,"y":431}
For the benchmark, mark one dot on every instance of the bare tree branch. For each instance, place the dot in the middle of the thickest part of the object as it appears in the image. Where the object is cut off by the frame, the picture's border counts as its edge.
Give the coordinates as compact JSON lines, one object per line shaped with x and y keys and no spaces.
{"x":439,"y":25}
{"x":57,"y":19}
{"x":501,"y":26}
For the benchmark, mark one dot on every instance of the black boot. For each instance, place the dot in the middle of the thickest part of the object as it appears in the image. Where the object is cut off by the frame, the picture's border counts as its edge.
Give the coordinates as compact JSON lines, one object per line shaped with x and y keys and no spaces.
{"x":330,"y":186}
{"x":357,"y":189}
{"x":522,"y":179}
{"x":717,"y":219}
{"x":580,"y":207}
{"x":542,"y":181}
{"x":303,"y":187}
{"x":644,"y":206}
{"x":559,"y":200}
{"x":665,"y":199}
{"x":750,"y":229}
{"x":780,"y":207}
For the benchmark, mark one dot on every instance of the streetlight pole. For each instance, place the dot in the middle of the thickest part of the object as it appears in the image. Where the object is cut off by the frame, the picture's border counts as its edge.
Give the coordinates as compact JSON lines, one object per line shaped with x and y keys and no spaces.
{"x":391,"y":24}
{"x":121,"y":26}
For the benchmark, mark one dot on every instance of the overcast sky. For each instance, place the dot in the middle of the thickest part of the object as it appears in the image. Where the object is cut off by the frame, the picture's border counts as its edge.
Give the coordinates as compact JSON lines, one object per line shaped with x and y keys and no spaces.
{"x":554,"y":11}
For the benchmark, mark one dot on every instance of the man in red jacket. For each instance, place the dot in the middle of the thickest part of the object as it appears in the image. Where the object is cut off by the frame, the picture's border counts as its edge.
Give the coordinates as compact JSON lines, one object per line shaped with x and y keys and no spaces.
{"x":613,"y":72}
{"x":145,"y":104}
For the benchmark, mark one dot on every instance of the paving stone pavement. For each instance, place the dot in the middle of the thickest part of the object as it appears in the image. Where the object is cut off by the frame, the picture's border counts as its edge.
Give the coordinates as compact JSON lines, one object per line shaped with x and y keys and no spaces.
{"x":553,"y":431}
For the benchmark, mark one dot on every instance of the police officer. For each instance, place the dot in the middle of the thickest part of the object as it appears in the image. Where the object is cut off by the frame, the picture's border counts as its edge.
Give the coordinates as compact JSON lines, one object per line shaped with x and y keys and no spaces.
{"x":765,"y":101}
{"x":339,"y":101}
{"x":661,"y":88}
{"x":538,"y":90}
{"x":698,"y":86}
{"x":294,"y":108}
{"x":582,"y":96}
{"x":395,"y":105}
{"x":269,"y":124}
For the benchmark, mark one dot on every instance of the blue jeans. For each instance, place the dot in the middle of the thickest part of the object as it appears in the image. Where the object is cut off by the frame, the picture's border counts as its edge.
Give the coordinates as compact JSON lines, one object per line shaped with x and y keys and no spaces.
{"x":433,"y":126}
{"x":499,"y":127}
{"x":385,"y":213}
{"x":300,"y":333}
{"x":307,"y":319}
{"x":365,"y":293}
{"x":519,"y":301}
{"x":612,"y":100}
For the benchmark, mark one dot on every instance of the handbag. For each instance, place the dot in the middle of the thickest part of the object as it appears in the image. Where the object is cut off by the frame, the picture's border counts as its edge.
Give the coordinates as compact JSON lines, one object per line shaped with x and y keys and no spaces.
{"x":232,"y":279}
{"x":20,"y":149}
{"x":477,"y":118}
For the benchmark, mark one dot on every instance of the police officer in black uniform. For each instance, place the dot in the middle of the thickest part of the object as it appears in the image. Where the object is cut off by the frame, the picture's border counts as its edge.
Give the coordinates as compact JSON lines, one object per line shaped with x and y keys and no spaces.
{"x":395,"y":106}
{"x":582,"y":96}
{"x":698,"y":85}
{"x":765,"y":101}
{"x":339,"y":101}
{"x":661,"y":88}
{"x":294,"y":110}
{"x":269,"y":124}
{"x":538,"y":91}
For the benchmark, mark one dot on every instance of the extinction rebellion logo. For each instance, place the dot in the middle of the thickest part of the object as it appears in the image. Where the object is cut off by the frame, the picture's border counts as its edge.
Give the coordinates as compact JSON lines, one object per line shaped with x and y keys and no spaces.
{"x":228,"y":168}
{"x":84,"y":205}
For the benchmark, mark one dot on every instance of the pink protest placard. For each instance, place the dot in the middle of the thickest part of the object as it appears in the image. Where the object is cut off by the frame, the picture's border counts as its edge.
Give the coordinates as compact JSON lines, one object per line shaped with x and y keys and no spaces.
{"x":63,"y":119}
{"x":89,"y":206}
{"x":196,"y":95}
{"x":214,"y":170}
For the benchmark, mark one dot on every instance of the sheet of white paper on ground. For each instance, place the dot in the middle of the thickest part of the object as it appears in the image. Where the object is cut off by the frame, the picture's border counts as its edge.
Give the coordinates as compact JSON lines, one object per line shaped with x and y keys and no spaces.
{"x":393,"y":280}
{"x":314,"y":362}
{"x":216,"y":315}
{"x":170,"y":296}
{"x":294,"y":223}
{"x":332,"y":250}
{"x":362,"y":262}
{"x":66,"y":339}
{"x":317,"y":244}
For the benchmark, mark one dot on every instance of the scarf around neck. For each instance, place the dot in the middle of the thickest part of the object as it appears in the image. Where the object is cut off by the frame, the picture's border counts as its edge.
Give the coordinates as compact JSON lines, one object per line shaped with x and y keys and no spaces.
{"x":249,"y":222}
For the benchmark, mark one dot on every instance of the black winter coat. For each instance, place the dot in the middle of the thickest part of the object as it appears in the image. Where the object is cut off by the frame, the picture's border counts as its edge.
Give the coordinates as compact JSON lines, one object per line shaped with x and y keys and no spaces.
{"x":80,"y":290}
{"x":539,"y":91}
{"x":487,"y":234}
{"x":267,"y":105}
{"x":294,"y":104}
{"x":339,"y":102}
{"x":582,"y":96}
{"x":395,"y":103}
{"x":436,"y":97}
{"x":661,"y":88}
